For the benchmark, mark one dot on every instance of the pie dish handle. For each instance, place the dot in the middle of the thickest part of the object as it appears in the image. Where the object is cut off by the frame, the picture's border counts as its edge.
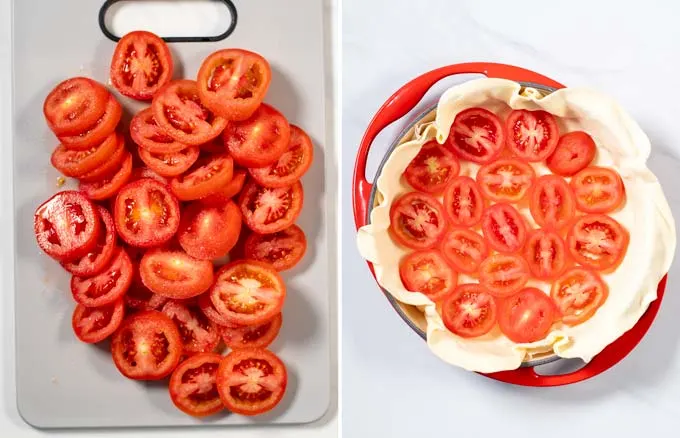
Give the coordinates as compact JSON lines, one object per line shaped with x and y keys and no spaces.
{"x":405,"y":99}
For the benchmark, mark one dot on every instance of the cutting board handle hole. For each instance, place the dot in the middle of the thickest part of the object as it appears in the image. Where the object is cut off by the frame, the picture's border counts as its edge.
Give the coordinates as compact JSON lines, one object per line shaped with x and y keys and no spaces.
{"x":173,"y":20}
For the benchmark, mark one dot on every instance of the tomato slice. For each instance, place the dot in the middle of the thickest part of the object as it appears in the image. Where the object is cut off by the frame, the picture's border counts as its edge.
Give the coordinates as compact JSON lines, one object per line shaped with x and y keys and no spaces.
{"x":290,"y":167}
{"x":107,"y":286}
{"x":574,"y":151}
{"x":503,"y":274}
{"x":532,"y":135}
{"x":97,"y":133}
{"x":99,"y":256}
{"x":144,"y":172}
{"x":206,"y":305}
{"x":506,"y":180}
{"x":67,"y":226}
{"x":477,"y":135}
{"x":77,"y":163}
{"x":180,"y":113}
{"x":141,"y":65}
{"x":199,"y":334}
{"x":552,"y":202}
{"x":94,"y":324}
{"x":578,"y":294}
{"x":74,"y":105}
{"x":268,"y":211}
{"x":110,"y":166}
{"x":427,"y":272}
{"x":251,"y":381}
{"x":256,"y":336}
{"x":108,"y":186}
{"x":233,"y":82}
{"x":248,"y":292}
{"x":139,"y":297}
{"x":417,"y":220}
{"x":206,"y":178}
{"x":504,"y":228}
{"x":209,"y":232}
{"x":283,"y":249}
{"x":147,"y":346}
{"x":464,"y":249}
{"x":546,"y":254}
{"x":526,"y":316}
{"x":193,"y":385}
{"x":597,"y":190}
{"x":231,"y":189}
{"x":260,"y":140}
{"x":146,"y":214}
{"x":470,"y":311}
{"x":170,"y":164}
{"x":432,"y":169}
{"x":598,"y":241}
{"x":149,"y":136}
{"x":174,"y":274}
{"x":463,"y":202}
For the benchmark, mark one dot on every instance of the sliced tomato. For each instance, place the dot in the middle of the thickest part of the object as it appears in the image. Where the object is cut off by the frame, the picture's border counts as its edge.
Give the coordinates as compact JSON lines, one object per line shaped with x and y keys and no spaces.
{"x":470,"y":311}
{"x":67,"y":226}
{"x":139,"y":297}
{"x":574,"y":152}
{"x":417,"y":220}
{"x":251,"y":381}
{"x":504,"y":229}
{"x":597,"y":190}
{"x":207,"y":232}
{"x":147,"y":346}
{"x":144,"y":172}
{"x":107,"y":286}
{"x":199,"y":334}
{"x":503,"y":274}
{"x":146,"y":214}
{"x":231,"y":189}
{"x":206,"y":305}
{"x":463,"y":202}
{"x":598,"y":241}
{"x":477,"y":135}
{"x":552,"y":202}
{"x":508,"y":180}
{"x":109,"y":167}
{"x":99,"y":256}
{"x":532,"y":135}
{"x":172,"y":164}
{"x":578,"y":294}
{"x":233,"y":82}
{"x":464,"y":249}
{"x":260,"y":140}
{"x":193,"y":385}
{"x":206,"y":178}
{"x":141,"y":65}
{"x":266,"y":210}
{"x":546,"y":254}
{"x":75,"y":163}
{"x":256,"y":336}
{"x":432,"y":169}
{"x":175,"y":274}
{"x":108,"y":186}
{"x":97,"y":133}
{"x":526,"y":316}
{"x":74,"y":105}
{"x":427,"y":272}
{"x":248,"y":292}
{"x":283,"y":249}
{"x":94,"y":324}
{"x":149,"y":136}
{"x":180,"y":113}
{"x":290,"y":167}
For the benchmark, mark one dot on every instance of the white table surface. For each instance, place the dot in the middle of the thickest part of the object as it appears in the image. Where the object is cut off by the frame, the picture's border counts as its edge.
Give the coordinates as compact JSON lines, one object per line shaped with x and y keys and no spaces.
{"x":11,"y":424}
{"x":392,"y":386}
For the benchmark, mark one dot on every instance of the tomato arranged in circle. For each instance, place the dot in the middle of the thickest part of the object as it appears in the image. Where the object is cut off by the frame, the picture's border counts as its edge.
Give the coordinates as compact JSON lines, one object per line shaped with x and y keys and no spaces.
{"x":199,"y":334}
{"x":109,"y":167}
{"x":463,"y":202}
{"x":427,"y":272}
{"x":597,"y":190}
{"x":99,"y":256}
{"x":266,"y":210}
{"x":504,"y":228}
{"x":432,"y":169}
{"x":231,"y":189}
{"x":506,"y":180}
{"x":206,"y":178}
{"x":107,"y":286}
{"x":464,"y":249}
{"x":67,"y":226}
{"x":149,"y":136}
{"x":251,"y":381}
{"x":290,"y":166}
{"x":574,"y":151}
{"x":75,"y":105}
{"x":532,"y":135}
{"x":141,"y":65}
{"x":477,"y":135}
{"x":283,"y":249}
{"x":109,"y":185}
{"x":526,"y":316}
{"x":175,"y":274}
{"x":255,"y":336}
{"x":546,"y":254}
{"x":172,"y":163}
{"x":470,"y":311}
{"x":248,"y":292}
{"x":147,"y":346}
{"x":417,"y":220}
{"x":193,"y":385}
{"x":578,"y":294}
{"x":503,"y":274}
{"x":209,"y":232}
{"x":76,"y":163}
{"x":94,"y":324}
{"x":233,"y":82}
{"x":552,"y":202}
{"x":598,"y":241}
{"x":98,"y":132}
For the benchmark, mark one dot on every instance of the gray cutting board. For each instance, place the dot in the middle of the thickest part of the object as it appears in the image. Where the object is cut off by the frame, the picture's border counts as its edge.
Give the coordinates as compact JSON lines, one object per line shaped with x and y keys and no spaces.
{"x":64,"y":383}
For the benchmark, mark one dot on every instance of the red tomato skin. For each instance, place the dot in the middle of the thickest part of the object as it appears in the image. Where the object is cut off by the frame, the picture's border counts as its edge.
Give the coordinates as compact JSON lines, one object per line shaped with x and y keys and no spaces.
{"x":577,"y":149}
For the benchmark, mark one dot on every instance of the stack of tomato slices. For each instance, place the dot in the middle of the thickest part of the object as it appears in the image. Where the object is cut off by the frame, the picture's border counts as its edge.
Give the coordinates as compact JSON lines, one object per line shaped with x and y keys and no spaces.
{"x":143,"y":233}
{"x":487,"y":246}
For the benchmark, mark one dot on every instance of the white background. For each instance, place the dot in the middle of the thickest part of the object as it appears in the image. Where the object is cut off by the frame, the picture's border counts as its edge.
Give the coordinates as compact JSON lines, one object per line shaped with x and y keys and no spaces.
{"x":392,"y":385}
